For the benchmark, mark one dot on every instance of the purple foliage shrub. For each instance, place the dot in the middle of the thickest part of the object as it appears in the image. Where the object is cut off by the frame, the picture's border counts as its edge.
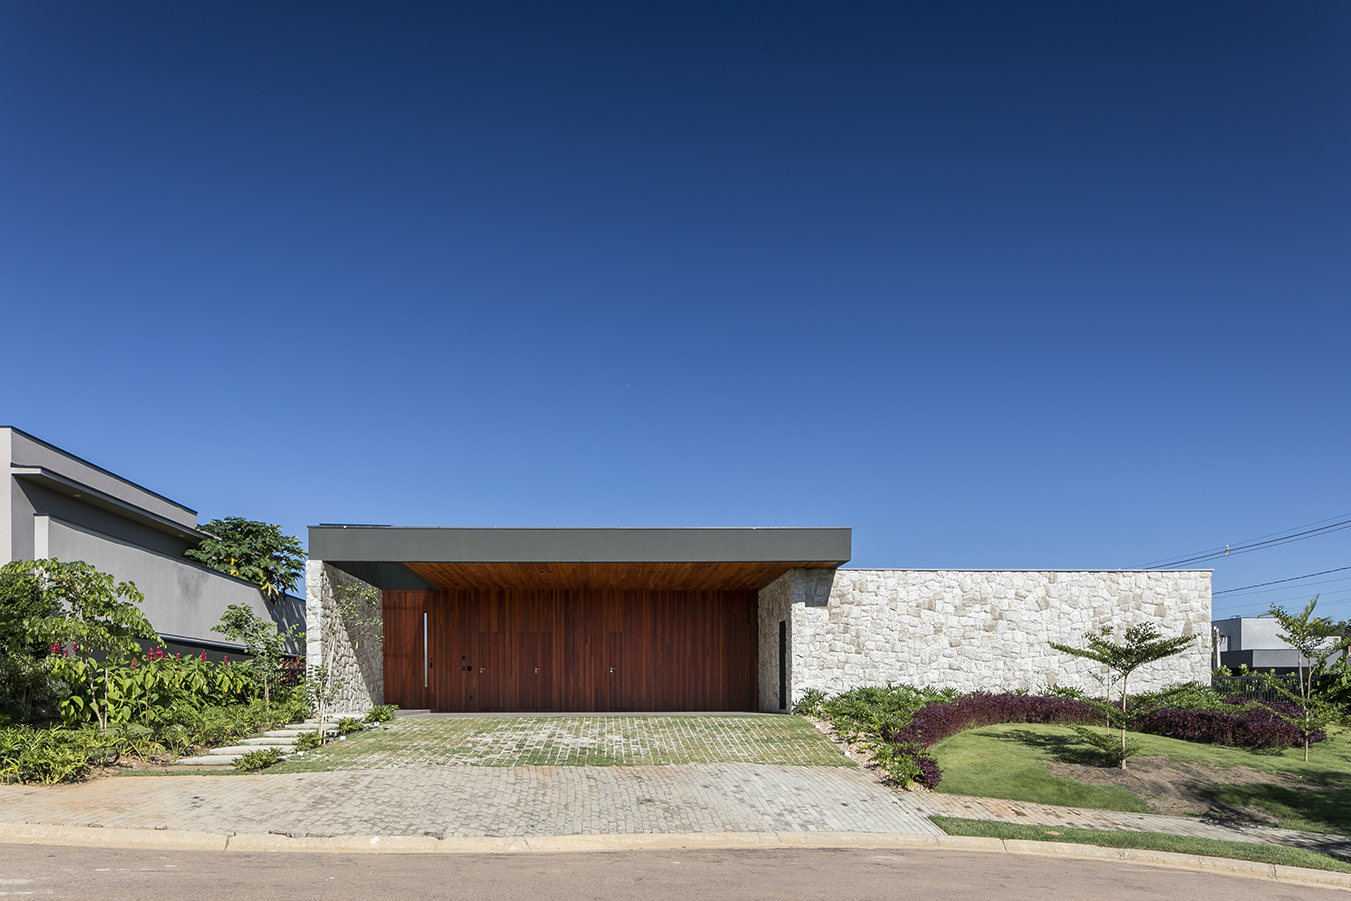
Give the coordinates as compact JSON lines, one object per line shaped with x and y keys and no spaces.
{"x":935,"y":722}
{"x":1257,"y":726}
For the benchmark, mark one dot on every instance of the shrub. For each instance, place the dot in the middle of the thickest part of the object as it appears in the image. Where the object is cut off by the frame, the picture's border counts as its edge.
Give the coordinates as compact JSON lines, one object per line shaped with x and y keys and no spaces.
{"x":308,"y":741}
{"x":1238,"y":722}
{"x":811,"y":702}
{"x":381,"y":713}
{"x":935,"y":722}
{"x":260,"y":759}
{"x":874,"y":712}
{"x":54,"y":755}
{"x":349,"y":725}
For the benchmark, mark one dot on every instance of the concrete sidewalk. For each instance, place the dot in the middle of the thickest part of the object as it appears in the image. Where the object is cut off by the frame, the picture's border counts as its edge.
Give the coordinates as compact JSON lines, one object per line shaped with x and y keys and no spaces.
{"x":1029,"y":814}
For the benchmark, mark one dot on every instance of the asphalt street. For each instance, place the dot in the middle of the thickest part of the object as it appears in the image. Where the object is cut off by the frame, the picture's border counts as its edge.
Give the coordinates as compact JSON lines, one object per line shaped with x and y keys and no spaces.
{"x":36,"y":871}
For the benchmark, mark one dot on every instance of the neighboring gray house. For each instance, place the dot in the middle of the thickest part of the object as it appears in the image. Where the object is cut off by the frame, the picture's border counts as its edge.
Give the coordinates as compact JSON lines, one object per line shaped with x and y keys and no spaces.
{"x":53,"y":504}
{"x":1253,"y":641}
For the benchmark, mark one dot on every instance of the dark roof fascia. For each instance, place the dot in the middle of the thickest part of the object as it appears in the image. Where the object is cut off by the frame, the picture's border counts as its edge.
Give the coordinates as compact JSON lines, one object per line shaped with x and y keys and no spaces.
{"x":382,"y":544}
{"x":123,"y":479}
{"x":92,"y":496}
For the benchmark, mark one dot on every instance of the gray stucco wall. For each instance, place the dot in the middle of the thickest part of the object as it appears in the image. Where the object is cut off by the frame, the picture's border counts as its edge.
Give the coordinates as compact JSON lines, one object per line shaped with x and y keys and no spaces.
{"x":25,"y":450}
{"x":181,"y":597}
{"x":358,"y":661}
{"x":977,"y":630}
{"x":6,"y":506}
{"x":34,"y":500}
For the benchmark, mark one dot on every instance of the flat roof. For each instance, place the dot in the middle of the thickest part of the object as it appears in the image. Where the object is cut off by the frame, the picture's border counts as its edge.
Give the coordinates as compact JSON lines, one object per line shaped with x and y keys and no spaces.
{"x":411,"y":544}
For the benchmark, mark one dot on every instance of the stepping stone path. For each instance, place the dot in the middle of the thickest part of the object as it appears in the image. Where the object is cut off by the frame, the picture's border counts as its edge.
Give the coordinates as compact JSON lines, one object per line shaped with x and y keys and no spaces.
{"x":283,"y":739}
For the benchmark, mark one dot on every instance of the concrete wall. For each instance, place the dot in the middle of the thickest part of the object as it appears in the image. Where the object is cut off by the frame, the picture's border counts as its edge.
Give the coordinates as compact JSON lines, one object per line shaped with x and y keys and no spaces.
{"x":6,"y":506}
{"x":357,"y":661}
{"x":182,"y":598}
{"x":25,"y":450}
{"x":977,"y":630}
{"x":1251,"y":633}
{"x":31,"y":500}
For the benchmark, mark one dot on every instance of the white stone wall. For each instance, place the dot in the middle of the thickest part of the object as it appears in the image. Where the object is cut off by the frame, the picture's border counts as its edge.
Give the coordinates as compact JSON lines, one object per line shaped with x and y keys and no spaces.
{"x":786,"y":599}
{"x":979,"y":630}
{"x":358,"y":654}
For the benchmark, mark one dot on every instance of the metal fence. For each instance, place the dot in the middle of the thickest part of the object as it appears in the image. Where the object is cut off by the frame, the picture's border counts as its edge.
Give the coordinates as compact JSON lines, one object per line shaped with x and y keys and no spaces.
{"x":1256,"y":687}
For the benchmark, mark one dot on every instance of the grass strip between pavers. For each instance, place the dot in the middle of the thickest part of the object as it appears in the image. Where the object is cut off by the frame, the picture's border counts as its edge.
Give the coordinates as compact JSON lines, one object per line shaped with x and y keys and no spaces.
{"x":1145,"y":841}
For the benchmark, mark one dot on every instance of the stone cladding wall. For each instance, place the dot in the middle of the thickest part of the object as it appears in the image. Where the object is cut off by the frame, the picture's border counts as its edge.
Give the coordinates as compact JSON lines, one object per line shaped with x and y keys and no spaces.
{"x":786,"y":599}
{"x":358,"y":653}
{"x":988,"y":631}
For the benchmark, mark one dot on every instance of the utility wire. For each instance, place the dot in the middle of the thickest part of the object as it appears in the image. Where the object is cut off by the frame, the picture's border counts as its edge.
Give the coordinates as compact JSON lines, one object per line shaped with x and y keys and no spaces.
{"x":1324,"y":601}
{"x":1258,"y":538}
{"x":1305,"y":587}
{"x":1275,"y":539}
{"x":1279,"y":581}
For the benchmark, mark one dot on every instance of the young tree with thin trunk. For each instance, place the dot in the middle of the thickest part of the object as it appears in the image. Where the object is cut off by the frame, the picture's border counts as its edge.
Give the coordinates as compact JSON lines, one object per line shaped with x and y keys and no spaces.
{"x":1317,"y":639}
{"x":1143,"y":644}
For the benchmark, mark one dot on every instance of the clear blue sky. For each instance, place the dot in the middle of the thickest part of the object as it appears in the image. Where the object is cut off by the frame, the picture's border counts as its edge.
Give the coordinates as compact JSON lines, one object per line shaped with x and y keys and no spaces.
{"x":1005,"y":285}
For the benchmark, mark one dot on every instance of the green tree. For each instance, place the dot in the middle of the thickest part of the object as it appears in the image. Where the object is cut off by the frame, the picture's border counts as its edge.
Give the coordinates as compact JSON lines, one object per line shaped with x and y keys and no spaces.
{"x":1142,"y":644}
{"x":265,"y":645}
{"x":255,"y":551}
{"x":73,"y":605}
{"x":1317,"y":639}
{"x":25,"y":662}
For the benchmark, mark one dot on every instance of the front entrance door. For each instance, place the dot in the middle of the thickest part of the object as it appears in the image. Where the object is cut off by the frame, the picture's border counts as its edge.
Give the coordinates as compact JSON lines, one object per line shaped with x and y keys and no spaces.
{"x":534,"y":670}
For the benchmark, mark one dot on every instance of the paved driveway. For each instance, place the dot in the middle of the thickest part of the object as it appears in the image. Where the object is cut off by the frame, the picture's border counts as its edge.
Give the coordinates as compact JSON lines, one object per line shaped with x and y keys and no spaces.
{"x":476,"y":801}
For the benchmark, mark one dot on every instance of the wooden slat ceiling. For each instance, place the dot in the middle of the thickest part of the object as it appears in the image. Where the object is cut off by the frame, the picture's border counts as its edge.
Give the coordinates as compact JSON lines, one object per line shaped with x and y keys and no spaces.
{"x":656,"y":576}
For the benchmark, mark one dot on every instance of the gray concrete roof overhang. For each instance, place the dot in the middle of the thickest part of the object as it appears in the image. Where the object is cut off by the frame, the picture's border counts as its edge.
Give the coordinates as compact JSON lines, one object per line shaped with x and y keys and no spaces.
{"x":391,"y":544}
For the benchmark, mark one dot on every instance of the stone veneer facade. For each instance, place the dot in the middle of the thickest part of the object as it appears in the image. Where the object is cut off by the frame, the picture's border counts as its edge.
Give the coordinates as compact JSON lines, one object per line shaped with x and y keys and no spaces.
{"x":358,"y":659}
{"x":969,"y":630}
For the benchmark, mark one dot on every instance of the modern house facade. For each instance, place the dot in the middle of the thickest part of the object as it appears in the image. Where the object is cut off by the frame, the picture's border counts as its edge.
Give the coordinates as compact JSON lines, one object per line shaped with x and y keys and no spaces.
{"x":1255,"y":642}
{"x":603,"y":620}
{"x":54,"y":504}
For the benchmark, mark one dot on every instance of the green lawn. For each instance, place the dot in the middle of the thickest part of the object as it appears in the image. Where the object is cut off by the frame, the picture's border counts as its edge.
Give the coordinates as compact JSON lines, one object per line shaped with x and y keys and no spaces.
{"x":576,"y":741}
{"x":1147,"y":841}
{"x":1010,"y":761}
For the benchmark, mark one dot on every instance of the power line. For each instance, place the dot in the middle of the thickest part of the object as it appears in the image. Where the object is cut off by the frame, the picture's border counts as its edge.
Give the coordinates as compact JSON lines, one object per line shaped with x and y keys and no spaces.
{"x":1258,"y":538}
{"x":1324,"y":600}
{"x":1279,"y":581}
{"x":1275,"y":539}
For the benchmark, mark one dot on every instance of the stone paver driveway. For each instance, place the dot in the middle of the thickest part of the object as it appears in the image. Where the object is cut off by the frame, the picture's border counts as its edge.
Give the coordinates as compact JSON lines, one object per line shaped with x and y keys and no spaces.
{"x":512,"y":741}
{"x":476,"y":801}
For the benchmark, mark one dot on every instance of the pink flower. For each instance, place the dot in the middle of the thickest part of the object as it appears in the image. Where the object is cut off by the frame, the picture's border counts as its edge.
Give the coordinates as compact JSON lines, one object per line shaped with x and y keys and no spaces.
{"x":133,"y":664}
{"x":203,"y":653}
{"x":225,"y":659}
{"x":54,"y":649}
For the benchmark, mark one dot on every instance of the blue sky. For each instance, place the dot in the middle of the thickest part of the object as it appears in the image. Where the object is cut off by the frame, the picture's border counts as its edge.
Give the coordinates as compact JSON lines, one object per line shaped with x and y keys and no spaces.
{"x":1006,"y":285}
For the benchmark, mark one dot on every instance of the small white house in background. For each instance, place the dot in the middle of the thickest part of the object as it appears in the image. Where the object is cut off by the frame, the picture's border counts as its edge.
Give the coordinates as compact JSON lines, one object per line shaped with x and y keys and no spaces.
{"x":1253,"y":641}
{"x":54,"y":504}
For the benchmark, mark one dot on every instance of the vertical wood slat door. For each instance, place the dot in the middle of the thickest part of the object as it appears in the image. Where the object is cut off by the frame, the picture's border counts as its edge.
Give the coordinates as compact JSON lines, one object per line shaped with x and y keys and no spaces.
{"x":534,"y":671}
{"x":595,"y":650}
{"x":403,"y":645}
{"x":621,"y":683}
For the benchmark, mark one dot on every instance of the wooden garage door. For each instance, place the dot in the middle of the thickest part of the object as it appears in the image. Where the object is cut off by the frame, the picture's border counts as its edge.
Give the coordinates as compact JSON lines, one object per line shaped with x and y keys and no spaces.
{"x":584,"y":650}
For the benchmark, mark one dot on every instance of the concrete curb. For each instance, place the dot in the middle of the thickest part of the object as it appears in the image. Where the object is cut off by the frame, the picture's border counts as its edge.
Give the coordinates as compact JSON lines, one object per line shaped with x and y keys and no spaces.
{"x":97,"y":837}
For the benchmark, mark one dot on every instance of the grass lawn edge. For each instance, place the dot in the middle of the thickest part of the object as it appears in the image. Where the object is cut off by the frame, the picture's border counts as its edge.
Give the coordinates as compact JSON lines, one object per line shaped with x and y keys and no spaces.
{"x":1278,"y":855}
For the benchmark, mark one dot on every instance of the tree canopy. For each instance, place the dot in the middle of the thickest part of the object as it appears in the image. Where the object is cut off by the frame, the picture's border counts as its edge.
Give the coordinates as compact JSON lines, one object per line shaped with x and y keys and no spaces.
{"x":72,"y":603}
{"x":255,"y":551}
